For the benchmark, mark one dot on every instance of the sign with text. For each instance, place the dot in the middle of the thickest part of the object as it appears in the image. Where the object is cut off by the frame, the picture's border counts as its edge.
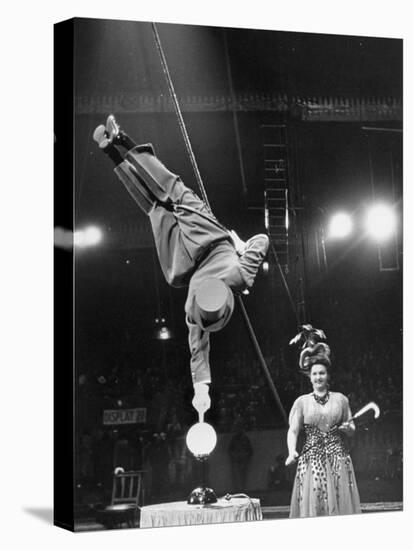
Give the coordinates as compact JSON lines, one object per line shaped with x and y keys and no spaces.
{"x":125,"y":416}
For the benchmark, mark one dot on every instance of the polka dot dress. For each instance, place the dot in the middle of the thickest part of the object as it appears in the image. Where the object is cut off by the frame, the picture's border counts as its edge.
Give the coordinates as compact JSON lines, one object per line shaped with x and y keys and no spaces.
{"x":324,"y":482}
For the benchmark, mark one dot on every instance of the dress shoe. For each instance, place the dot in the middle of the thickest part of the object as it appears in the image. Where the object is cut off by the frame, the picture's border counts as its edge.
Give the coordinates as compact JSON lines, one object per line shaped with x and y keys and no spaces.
{"x":100,"y":136}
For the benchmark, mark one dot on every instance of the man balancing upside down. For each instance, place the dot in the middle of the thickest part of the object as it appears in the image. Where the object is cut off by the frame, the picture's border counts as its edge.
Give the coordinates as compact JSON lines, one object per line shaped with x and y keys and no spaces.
{"x":194,"y":249}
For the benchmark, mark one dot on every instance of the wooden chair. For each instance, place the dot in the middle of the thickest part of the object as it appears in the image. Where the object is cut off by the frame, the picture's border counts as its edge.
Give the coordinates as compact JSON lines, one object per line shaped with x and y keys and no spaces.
{"x":124,"y":507}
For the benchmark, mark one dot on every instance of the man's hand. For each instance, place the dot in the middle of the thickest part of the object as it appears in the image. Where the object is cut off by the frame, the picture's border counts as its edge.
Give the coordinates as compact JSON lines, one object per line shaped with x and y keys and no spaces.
{"x":201,"y":401}
{"x":238,"y":243}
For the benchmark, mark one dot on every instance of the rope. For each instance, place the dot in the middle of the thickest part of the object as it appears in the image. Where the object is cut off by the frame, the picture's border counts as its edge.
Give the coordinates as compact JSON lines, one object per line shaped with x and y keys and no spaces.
{"x":234,"y":115}
{"x":205,"y":199}
{"x":262,"y":360}
{"x":179,"y":115}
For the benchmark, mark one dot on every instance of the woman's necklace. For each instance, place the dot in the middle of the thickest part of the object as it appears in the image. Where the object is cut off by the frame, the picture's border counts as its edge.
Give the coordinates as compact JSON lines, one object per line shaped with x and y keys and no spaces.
{"x":322,"y":399}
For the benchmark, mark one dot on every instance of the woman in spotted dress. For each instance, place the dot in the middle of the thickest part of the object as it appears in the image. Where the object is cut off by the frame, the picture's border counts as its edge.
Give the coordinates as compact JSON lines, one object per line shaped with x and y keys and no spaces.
{"x":325,"y":483}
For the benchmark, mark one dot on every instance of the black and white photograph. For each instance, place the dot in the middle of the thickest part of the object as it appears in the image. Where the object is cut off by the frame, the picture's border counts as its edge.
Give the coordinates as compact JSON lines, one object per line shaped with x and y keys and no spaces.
{"x":205,"y":277}
{"x":237,"y":273}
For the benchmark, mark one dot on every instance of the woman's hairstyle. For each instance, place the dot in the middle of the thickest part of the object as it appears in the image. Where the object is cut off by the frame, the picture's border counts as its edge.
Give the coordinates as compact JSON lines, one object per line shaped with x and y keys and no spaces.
{"x":313,"y":351}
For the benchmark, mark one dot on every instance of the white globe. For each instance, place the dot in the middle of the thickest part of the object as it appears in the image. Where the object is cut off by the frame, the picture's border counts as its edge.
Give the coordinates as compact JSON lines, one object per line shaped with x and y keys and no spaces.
{"x":201,"y":439}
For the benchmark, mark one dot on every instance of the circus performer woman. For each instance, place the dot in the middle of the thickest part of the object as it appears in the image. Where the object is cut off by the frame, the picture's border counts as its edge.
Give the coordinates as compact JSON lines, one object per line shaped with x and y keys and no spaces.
{"x":325,"y":483}
{"x":194,"y":249}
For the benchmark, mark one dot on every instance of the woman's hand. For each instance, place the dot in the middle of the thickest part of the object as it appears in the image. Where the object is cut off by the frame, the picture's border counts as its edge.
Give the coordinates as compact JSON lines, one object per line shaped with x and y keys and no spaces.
{"x":291,"y":458}
{"x":347,"y":428}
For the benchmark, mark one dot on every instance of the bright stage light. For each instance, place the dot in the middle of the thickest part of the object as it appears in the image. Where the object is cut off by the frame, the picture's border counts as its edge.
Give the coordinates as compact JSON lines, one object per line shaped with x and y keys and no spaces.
{"x":201,"y":439}
{"x":340,"y":226}
{"x":90,"y":236}
{"x":78,"y":238}
{"x":381,"y":222}
{"x":93,"y":235}
{"x":164,"y":333}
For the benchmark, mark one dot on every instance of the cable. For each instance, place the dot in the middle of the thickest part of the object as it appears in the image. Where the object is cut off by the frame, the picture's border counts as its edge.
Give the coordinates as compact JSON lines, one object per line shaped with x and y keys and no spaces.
{"x":179,"y":115}
{"x":234,"y":114}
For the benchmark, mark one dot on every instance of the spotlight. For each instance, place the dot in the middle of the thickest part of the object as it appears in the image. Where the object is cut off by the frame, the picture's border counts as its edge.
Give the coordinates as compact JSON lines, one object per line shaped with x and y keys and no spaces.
{"x":265,"y":267}
{"x":90,"y":236}
{"x":340,"y":226}
{"x":162,"y":332}
{"x":78,"y":238}
{"x":381,"y":222}
{"x":93,"y":235}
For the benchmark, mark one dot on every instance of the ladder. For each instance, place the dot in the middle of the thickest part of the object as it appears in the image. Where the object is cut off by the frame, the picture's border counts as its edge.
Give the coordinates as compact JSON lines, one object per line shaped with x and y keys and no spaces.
{"x":276,"y":189}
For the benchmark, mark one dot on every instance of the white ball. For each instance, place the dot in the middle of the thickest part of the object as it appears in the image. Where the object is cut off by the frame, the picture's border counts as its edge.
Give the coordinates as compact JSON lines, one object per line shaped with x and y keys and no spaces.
{"x":201,"y":439}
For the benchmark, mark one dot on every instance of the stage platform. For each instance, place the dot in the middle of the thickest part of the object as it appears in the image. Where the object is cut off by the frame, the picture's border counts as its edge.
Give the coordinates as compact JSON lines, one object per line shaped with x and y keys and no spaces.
{"x":268,"y":512}
{"x":278,"y":512}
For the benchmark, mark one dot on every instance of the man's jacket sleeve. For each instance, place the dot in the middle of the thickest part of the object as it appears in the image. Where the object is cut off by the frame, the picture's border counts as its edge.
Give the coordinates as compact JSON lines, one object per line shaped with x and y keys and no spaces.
{"x":198,"y":340}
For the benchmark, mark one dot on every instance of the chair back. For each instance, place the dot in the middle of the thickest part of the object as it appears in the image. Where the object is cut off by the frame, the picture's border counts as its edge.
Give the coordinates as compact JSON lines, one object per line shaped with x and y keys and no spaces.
{"x":127,"y":487}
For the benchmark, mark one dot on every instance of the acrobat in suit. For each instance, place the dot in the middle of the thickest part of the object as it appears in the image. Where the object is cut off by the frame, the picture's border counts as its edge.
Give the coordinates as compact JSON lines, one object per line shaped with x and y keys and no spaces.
{"x":194,"y":249}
